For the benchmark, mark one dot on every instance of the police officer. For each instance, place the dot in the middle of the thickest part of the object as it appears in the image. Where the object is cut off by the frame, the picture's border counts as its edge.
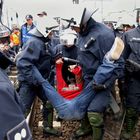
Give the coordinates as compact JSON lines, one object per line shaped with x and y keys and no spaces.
{"x":12,"y":120}
{"x":95,"y":39}
{"x":25,"y":28}
{"x":132,"y":55}
{"x":35,"y":55}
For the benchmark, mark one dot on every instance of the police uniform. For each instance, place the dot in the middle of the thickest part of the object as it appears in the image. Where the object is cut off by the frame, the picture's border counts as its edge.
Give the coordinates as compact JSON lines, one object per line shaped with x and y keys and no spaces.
{"x":12,"y":122}
{"x":94,"y":42}
{"x":131,"y":40}
{"x":132,"y":52}
{"x":34,"y":54}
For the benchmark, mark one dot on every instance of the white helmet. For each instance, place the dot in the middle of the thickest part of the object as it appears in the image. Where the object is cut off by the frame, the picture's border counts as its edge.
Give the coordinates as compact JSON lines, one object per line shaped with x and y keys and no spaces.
{"x":84,"y":18}
{"x":68,"y":37}
{"x":41,"y":26}
{"x":44,"y":26}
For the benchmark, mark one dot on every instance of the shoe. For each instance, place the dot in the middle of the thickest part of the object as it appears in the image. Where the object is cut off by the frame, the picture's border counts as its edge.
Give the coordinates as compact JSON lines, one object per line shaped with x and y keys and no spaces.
{"x":81,"y":133}
{"x":47,"y":131}
{"x":126,"y":135}
{"x":84,"y":130}
{"x":116,"y":50}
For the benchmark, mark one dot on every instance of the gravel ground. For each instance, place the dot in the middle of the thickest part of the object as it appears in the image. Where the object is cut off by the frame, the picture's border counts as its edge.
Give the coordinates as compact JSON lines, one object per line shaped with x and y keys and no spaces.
{"x":112,"y":128}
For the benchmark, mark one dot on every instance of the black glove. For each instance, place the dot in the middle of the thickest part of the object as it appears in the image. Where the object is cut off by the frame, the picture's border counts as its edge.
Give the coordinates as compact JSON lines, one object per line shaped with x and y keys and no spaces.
{"x":98,"y":87}
{"x":132,"y":66}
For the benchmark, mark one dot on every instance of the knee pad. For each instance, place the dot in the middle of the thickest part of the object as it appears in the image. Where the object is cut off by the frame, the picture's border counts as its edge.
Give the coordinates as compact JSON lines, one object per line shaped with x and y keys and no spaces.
{"x":95,"y":119}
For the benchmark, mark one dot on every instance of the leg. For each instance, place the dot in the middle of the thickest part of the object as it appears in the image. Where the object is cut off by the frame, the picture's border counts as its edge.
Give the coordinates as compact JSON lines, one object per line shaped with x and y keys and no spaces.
{"x":47,"y":113}
{"x":131,"y":121}
{"x":48,"y":120}
{"x":27,"y":96}
{"x":68,"y":109}
{"x":96,"y":121}
{"x":82,"y":101}
{"x":95,"y":114}
{"x":132,"y":106}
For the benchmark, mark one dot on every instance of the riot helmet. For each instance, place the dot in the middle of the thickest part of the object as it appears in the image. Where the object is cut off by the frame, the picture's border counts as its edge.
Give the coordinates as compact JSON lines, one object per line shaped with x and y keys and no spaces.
{"x":86,"y":15}
{"x":43,"y":27}
{"x":68,"y":37}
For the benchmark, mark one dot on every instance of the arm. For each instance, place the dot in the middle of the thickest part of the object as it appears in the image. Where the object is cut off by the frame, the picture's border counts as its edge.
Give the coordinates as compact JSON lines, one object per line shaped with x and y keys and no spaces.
{"x":27,"y":59}
{"x":110,"y":69}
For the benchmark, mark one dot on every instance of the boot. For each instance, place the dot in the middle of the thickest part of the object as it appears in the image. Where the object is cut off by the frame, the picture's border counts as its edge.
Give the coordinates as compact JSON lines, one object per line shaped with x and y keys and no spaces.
{"x":48,"y":121}
{"x":96,"y":122}
{"x":130,"y":120}
{"x":84,"y":129}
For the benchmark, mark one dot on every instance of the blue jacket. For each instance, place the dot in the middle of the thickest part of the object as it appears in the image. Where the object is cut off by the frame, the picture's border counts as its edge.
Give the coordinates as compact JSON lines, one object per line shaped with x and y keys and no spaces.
{"x":92,"y":52}
{"x":131,"y":40}
{"x":34,"y":54}
{"x":25,"y":33}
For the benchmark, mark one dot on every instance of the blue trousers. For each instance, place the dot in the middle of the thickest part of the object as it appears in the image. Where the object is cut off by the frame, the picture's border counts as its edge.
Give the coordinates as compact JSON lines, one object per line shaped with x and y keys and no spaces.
{"x":76,"y":108}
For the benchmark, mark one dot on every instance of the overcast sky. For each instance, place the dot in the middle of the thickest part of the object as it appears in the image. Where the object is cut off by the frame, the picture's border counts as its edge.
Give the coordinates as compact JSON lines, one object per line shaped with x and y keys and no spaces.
{"x":120,"y":10}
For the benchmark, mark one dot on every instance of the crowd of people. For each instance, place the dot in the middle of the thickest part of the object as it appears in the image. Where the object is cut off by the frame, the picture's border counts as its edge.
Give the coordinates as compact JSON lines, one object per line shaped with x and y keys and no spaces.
{"x":101,"y":53}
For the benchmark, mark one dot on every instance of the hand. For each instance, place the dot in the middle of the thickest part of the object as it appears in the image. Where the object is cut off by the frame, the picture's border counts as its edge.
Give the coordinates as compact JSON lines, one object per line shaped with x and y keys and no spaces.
{"x":71,"y":67}
{"x":59,"y":61}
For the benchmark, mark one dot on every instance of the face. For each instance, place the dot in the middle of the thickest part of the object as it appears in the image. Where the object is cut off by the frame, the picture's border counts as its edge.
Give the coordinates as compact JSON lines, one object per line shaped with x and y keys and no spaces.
{"x":29,"y":21}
